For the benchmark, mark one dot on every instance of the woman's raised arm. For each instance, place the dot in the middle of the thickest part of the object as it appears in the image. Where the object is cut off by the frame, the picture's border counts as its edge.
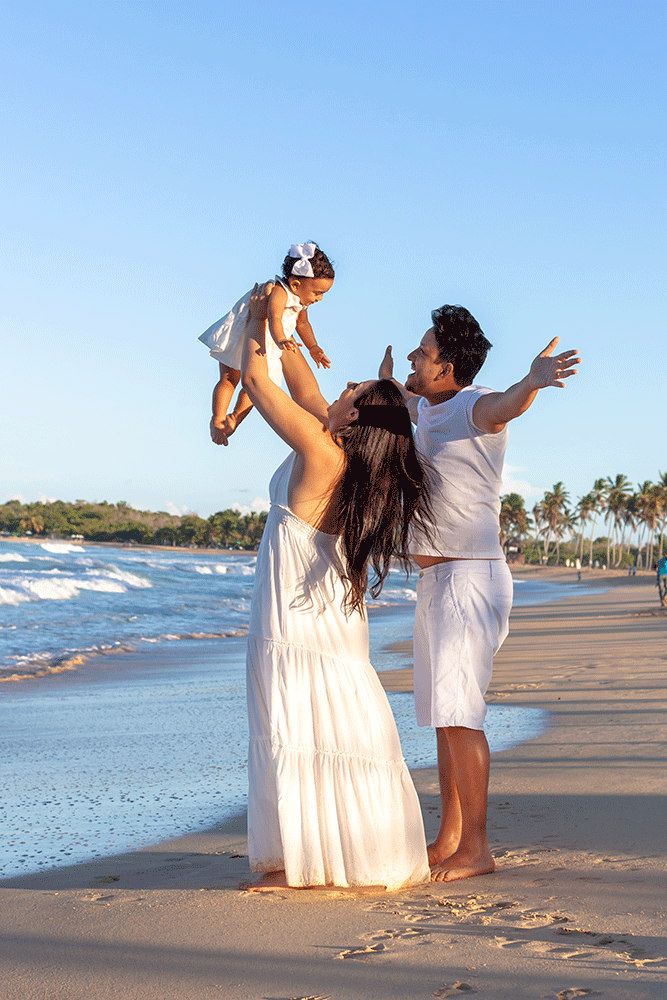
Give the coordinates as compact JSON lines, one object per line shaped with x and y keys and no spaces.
{"x":296,"y":424}
{"x":303,"y":386}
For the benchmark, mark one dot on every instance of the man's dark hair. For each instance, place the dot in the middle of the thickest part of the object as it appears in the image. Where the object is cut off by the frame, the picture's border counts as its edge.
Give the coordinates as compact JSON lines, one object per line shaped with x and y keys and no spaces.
{"x":460,"y":341}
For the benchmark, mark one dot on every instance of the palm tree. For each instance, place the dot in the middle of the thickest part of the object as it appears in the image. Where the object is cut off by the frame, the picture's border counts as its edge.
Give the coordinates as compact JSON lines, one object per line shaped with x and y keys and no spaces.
{"x":662,"y":487}
{"x":514,"y":518}
{"x":554,"y":515}
{"x":652,"y":507}
{"x":538,"y":522}
{"x":642,"y":505}
{"x":583,"y":513}
{"x":597,"y":498}
{"x":33,"y":523}
{"x":616,"y":498}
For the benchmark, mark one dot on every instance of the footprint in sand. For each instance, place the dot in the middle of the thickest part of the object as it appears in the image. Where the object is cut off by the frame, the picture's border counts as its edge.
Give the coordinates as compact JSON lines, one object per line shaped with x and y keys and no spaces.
{"x":318,"y":996}
{"x":400,"y":934}
{"x":510,"y":942}
{"x":454,"y":990}
{"x":370,"y":949}
{"x":573,"y":992}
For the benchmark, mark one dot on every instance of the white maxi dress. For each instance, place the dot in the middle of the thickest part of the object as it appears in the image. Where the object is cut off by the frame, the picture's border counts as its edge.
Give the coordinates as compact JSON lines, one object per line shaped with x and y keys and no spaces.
{"x":331,"y":800}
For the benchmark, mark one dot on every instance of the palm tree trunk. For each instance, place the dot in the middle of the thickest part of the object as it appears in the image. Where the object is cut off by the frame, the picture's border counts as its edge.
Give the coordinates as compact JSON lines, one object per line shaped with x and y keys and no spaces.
{"x":590,"y":551}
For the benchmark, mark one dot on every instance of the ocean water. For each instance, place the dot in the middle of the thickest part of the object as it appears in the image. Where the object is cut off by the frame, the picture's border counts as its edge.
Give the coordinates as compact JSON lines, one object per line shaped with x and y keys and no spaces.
{"x":62,"y":604}
{"x":96,"y":761}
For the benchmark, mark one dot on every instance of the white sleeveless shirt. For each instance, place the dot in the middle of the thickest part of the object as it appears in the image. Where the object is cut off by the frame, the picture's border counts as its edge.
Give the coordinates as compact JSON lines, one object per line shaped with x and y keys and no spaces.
{"x":468,"y":466}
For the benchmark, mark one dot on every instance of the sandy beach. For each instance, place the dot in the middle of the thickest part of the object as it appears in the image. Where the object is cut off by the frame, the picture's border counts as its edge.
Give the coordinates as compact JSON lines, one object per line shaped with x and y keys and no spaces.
{"x":577,"y":825}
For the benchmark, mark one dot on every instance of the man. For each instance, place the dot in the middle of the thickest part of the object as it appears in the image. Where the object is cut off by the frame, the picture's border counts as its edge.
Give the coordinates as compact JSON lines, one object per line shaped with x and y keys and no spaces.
{"x":662,"y":581}
{"x":464,"y":593}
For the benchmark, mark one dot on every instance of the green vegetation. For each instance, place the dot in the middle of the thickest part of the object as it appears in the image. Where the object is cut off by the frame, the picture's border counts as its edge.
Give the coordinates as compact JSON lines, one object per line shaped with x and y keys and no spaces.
{"x":107,"y":522}
{"x":635,"y":523}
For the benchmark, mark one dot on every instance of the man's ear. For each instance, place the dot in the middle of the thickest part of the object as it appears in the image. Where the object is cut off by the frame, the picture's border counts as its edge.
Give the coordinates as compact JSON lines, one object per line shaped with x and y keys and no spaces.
{"x":447,"y":369}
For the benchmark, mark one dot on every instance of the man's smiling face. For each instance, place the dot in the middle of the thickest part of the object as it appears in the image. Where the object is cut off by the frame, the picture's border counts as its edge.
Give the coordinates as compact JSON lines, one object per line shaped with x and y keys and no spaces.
{"x":426,"y":368}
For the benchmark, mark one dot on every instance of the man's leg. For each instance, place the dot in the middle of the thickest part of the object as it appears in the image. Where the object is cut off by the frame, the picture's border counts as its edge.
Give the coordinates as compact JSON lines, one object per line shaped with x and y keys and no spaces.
{"x":449,"y":834}
{"x":467,"y":769}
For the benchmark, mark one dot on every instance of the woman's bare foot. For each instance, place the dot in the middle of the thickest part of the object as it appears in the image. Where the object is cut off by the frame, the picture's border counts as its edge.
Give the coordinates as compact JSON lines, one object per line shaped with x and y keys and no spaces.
{"x":269,"y":882}
{"x":442,"y":848}
{"x":463,"y":864}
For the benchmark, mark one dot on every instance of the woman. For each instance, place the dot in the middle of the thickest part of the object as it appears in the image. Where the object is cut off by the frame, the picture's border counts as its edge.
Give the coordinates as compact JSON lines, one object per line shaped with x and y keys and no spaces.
{"x":331,"y":801}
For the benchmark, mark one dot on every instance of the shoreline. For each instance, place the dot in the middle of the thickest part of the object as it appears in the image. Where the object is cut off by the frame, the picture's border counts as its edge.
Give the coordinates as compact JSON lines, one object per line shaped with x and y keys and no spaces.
{"x":69,"y":661}
{"x":576,"y":906}
{"x":138,"y":546}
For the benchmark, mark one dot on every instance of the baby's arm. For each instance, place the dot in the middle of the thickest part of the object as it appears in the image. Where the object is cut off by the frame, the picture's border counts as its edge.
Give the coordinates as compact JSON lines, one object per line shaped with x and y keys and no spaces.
{"x":305,"y":331}
{"x":276,"y":307}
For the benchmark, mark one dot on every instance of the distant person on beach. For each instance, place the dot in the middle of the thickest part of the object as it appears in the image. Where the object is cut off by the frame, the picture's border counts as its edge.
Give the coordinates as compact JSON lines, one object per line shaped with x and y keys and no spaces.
{"x":464,"y":592}
{"x":662,"y":580}
{"x":307,"y":274}
{"x":331,"y":801}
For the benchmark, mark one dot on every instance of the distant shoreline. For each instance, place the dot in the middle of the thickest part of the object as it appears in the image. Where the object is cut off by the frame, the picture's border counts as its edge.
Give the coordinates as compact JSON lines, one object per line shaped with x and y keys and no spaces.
{"x":517,"y":568}
{"x":139,"y":546}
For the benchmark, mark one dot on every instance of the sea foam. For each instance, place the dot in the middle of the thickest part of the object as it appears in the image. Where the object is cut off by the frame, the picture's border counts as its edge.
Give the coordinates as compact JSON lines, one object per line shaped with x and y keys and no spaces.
{"x":61,"y":547}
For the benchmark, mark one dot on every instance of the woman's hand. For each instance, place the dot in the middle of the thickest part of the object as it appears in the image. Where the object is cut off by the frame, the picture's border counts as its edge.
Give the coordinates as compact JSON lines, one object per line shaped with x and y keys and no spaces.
{"x":259,"y":300}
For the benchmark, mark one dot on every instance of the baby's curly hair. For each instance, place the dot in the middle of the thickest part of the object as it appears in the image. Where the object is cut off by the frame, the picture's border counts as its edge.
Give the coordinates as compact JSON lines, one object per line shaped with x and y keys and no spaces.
{"x":320,"y":263}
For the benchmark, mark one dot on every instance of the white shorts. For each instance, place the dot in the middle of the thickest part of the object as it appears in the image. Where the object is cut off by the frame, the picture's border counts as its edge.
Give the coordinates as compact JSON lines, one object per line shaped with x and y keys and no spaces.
{"x":461,"y":620}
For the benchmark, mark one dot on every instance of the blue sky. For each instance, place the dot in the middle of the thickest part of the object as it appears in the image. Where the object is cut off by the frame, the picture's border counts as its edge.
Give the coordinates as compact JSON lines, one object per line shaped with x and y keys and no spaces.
{"x":160,"y":157}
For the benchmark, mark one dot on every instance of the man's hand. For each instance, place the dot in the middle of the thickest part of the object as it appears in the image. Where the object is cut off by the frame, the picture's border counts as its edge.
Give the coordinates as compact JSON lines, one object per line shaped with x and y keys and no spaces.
{"x":387,"y":365}
{"x":546,"y":371}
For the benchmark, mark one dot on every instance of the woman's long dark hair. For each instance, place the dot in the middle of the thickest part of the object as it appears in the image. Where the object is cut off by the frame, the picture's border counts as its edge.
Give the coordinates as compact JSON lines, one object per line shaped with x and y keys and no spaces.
{"x":384,"y":487}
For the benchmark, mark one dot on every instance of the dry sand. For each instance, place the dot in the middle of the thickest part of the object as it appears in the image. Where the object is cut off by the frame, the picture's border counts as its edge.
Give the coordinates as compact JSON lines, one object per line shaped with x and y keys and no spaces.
{"x":576,"y":907}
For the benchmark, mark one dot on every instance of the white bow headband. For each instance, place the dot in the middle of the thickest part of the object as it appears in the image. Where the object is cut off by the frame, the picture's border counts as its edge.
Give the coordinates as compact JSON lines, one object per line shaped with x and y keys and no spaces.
{"x":305,"y":251}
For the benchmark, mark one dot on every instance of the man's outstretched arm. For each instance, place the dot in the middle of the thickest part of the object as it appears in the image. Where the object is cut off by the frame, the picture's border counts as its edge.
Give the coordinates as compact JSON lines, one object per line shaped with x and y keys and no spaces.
{"x":492,"y":411}
{"x":387,"y":371}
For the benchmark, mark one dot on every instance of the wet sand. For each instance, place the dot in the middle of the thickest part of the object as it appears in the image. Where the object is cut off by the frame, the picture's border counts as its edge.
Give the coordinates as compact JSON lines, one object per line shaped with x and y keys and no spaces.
{"x":577,"y":824}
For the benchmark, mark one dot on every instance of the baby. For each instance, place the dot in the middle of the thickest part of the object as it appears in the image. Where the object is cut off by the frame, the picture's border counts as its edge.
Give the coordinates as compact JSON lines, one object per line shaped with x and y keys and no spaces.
{"x":307,"y":275}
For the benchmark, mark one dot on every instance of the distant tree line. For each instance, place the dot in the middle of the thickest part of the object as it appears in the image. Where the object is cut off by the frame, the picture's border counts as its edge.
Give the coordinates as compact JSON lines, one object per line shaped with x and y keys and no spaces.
{"x":108,"y":522}
{"x":635,"y":522}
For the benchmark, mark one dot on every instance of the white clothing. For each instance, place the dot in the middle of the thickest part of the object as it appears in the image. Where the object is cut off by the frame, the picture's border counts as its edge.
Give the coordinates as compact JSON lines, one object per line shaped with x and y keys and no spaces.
{"x":469,"y":466}
{"x":461,"y":621}
{"x":331,"y":800}
{"x":224,"y":338}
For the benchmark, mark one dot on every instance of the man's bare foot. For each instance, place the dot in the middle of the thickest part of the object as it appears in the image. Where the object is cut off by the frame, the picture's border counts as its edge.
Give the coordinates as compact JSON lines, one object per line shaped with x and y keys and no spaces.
{"x":269,"y":882}
{"x":463,"y":864}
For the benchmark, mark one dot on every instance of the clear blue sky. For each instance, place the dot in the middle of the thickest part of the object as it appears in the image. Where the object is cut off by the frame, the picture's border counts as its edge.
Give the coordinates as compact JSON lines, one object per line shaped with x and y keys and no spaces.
{"x":161,"y":156}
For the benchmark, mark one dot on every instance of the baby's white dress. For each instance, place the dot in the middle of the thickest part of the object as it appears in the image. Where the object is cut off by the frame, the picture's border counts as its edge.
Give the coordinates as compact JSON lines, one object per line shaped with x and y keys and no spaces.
{"x":331,"y":800}
{"x":224,"y":338}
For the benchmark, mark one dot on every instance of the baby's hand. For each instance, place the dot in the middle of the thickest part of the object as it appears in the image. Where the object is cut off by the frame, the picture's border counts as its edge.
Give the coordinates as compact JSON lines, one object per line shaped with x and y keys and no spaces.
{"x":222,"y":429}
{"x":289,"y":344}
{"x":319,"y":357}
